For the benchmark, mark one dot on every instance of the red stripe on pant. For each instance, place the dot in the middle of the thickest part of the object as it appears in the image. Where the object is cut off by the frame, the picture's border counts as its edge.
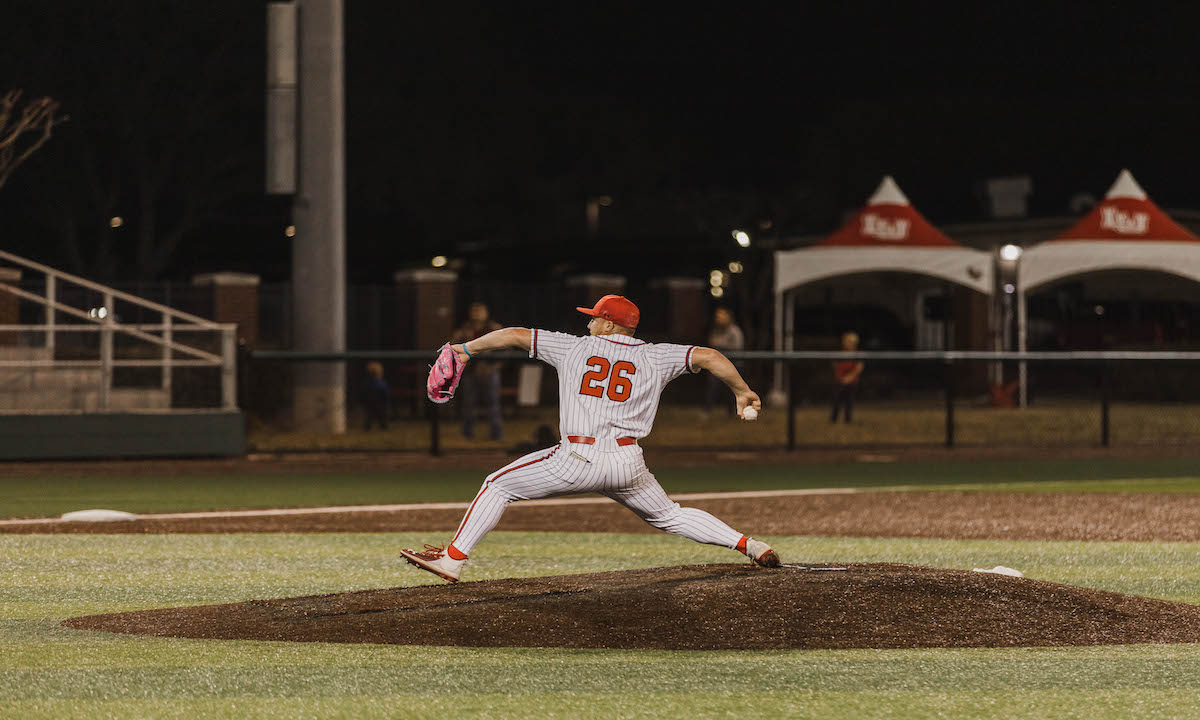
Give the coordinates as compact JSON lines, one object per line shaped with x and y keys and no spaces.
{"x":489,"y":482}
{"x":585,"y":440}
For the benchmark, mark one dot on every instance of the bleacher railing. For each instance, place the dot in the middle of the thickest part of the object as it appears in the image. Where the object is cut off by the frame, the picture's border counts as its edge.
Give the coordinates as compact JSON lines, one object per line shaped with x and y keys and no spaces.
{"x":204,"y":343}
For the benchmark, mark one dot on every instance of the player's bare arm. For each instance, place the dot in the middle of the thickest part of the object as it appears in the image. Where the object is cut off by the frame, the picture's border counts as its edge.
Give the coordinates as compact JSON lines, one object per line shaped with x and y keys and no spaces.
{"x":717,"y":364}
{"x":510,"y":338}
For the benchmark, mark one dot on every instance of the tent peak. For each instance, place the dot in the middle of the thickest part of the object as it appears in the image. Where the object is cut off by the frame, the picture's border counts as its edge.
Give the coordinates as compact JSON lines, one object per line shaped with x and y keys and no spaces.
{"x":888,"y":193}
{"x":1126,"y":187}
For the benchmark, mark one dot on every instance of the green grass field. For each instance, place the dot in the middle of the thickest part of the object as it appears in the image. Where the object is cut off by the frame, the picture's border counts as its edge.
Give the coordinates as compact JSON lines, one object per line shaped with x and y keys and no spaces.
{"x":47,"y":671}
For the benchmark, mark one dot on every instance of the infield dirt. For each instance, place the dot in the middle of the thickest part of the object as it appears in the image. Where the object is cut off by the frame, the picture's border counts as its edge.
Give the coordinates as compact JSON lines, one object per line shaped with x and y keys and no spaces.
{"x":696,"y":607}
{"x":952,"y":515}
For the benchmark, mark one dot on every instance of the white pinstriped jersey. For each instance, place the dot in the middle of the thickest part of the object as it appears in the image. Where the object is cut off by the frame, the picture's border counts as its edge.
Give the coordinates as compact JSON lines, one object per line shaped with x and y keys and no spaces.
{"x":609,"y":385}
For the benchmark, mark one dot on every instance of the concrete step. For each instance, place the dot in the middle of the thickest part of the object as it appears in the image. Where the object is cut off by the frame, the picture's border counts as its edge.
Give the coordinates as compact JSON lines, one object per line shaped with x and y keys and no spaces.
{"x":85,"y":399}
{"x":27,"y":378}
{"x":68,"y":376}
{"x":139,"y":399}
{"x":63,"y":399}
{"x":19,"y":352}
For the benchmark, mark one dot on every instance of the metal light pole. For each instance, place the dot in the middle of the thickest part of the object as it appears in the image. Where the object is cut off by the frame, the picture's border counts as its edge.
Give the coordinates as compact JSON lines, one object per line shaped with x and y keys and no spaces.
{"x":1010,"y":282}
{"x":319,"y":246}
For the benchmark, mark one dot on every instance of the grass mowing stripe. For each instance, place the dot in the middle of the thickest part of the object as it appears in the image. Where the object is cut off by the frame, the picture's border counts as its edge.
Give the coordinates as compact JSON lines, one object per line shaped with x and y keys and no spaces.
{"x":792,"y":703}
{"x":949,"y":671}
{"x":52,"y":496}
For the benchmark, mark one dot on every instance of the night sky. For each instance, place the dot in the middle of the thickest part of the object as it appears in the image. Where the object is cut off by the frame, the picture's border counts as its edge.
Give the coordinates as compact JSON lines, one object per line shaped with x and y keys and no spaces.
{"x":480,"y":131}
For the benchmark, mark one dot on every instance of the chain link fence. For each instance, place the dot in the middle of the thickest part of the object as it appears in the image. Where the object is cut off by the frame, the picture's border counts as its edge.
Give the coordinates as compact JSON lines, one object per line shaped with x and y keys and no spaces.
{"x":932,"y":399}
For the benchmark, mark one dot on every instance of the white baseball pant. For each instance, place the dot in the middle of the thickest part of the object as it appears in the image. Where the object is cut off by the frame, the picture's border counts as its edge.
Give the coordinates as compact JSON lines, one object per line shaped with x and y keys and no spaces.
{"x":570,"y":468}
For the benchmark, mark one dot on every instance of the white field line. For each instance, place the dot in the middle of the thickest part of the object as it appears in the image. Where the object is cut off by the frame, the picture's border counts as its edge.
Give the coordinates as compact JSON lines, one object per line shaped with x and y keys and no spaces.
{"x":275,"y":512}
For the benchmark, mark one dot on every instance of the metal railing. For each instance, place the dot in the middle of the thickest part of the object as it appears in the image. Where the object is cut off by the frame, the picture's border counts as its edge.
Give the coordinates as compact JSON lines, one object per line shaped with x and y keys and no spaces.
{"x":105,"y":322}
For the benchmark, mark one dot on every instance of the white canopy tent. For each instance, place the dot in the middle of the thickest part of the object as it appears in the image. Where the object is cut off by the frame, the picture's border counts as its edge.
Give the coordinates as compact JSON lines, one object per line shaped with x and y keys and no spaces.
{"x":887,"y":235}
{"x":1126,"y":231}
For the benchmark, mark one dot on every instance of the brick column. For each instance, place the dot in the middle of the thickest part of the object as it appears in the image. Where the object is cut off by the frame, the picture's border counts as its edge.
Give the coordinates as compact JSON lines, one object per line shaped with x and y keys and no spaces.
{"x":426,"y":305}
{"x":585,"y":290}
{"x":9,"y":305}
{"x":683,"y":308}
{"x":971,"y":332}
{"x":233,"y":299}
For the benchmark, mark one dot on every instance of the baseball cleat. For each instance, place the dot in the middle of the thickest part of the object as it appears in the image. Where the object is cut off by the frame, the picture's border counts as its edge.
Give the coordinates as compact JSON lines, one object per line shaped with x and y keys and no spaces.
{"x":435,"y":560}
{"x":761,"y":553}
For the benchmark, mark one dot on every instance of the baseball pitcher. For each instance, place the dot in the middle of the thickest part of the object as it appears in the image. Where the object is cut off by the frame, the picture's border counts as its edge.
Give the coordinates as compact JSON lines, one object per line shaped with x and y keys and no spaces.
{"x":609,"y":384}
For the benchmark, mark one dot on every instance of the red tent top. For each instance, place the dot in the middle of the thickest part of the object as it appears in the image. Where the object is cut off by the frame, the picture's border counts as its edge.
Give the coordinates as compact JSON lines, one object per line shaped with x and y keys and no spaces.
{"x":1126,"y":213}
{"x":888,"y":220}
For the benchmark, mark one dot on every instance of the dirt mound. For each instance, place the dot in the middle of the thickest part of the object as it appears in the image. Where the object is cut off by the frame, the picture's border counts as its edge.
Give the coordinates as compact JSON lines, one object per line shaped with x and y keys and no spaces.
{"x":696,"y":607}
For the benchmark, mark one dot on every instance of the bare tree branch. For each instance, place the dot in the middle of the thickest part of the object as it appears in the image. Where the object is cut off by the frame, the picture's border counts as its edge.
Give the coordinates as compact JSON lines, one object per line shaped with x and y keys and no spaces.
{"x":22,"y":135}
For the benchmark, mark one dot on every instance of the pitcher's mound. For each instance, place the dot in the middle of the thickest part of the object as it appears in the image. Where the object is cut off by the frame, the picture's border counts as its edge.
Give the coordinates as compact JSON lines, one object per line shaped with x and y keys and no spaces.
{"x":696,"y":607}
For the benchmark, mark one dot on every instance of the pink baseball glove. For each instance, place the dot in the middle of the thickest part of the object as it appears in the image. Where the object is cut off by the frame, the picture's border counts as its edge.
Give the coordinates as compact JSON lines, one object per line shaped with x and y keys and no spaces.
{"x":444,"y":375}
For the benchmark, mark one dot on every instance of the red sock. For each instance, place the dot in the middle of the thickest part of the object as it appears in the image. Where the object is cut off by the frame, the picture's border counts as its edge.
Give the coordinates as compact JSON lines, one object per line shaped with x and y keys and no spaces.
{"x":741,"y":546}
{"x":454,"y":553}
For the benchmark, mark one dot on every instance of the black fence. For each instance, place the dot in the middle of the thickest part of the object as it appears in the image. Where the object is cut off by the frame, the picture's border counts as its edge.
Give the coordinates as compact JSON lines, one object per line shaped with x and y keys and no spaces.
{"x":904,"y":399}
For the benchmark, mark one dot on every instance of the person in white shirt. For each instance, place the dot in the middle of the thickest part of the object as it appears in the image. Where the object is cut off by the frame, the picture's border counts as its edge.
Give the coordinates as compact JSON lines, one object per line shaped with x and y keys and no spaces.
{"x":609,"y":385}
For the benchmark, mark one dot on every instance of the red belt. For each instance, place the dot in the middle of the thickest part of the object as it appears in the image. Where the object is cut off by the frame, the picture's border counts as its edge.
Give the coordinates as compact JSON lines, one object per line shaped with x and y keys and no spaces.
{"x":585,"y":440}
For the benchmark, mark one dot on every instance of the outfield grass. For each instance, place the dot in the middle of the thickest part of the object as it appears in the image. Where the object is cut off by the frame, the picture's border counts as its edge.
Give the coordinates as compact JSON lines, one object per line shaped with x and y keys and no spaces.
{"x":52,"y":496}
{"x":49,"y":671}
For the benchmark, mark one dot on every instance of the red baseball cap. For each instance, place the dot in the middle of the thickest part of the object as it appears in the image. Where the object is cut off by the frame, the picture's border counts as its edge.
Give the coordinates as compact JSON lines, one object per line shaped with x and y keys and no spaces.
{"x":617,"y":308}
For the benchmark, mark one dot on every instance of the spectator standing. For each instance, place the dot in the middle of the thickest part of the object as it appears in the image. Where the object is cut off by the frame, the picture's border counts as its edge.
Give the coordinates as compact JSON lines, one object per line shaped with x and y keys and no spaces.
{"x":481,"y":380}
{"x":846,"y":373}
{"x":725,"y":336}
{"x":376,"y":397}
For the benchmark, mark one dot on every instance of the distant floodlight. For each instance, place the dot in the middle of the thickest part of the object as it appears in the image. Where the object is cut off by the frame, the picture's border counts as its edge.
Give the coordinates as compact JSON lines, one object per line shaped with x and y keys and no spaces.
{"x":1099,"y":309}
{"x":290,"y":231}
{"x":1010,"y":253}
{"x":439,"y":261}
{"x":735,"y":267}
{"x":717,"y":291}
{"x":100,"y":312}
{"x":1009,"y":288}
{"x":742,"y":238}
{"x":116,"y":222}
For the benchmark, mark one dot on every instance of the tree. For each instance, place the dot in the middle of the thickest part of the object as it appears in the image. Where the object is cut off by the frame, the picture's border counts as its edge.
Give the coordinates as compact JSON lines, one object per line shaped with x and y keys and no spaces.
{"x":23,"y":132}
{"x":166,"y":138}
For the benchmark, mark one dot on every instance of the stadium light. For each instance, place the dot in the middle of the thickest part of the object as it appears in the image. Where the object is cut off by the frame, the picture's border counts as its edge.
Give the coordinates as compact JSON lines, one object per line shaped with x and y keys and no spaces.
{"x":735,"y":267}
{"x":717,"y":291}
{"x":1010,"y":253}
{"x":116,"y":222}
{"x":742,"y":237}
{"x":439,"y":261}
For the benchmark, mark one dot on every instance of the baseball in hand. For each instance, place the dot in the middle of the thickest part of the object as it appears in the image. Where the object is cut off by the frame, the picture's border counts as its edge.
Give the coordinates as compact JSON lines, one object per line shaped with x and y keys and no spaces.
{"x":749,"y":414}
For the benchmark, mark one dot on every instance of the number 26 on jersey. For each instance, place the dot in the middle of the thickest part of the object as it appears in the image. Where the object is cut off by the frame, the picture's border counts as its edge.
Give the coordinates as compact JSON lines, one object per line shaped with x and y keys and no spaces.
{"x":619,"y":376}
